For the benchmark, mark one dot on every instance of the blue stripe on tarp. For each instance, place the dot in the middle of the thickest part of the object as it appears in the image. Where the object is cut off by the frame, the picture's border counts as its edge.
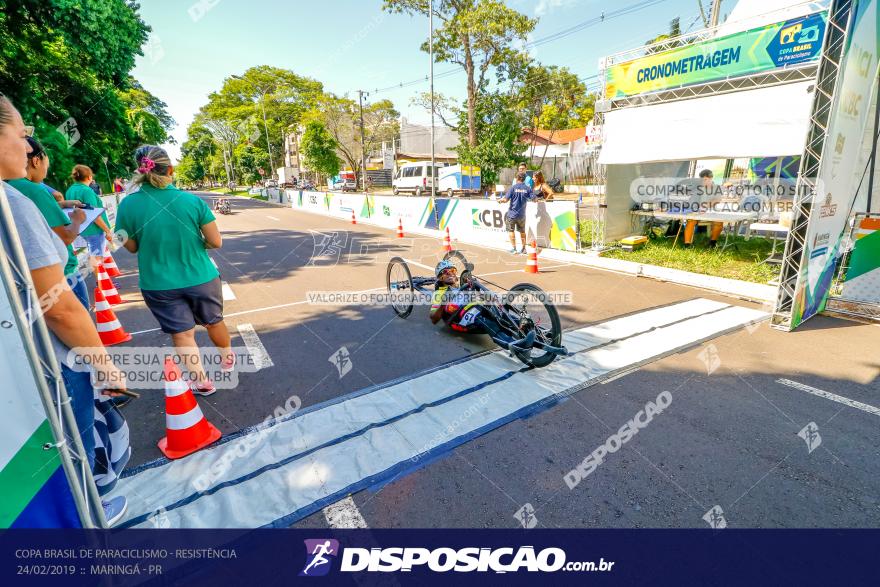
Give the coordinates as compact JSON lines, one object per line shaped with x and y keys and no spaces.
{"x":51,"y":507}
{"x":199,"y":494}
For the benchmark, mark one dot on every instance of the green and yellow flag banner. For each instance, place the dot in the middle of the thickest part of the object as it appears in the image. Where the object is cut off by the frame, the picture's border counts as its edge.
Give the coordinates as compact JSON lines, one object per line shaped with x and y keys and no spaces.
{"x":783,"y":44}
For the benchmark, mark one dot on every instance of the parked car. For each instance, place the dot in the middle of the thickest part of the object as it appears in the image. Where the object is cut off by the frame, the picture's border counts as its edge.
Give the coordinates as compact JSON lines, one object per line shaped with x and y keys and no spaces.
{"x":271,"y":183}
{"x":413,"y":178}
{"x":349,"y":185}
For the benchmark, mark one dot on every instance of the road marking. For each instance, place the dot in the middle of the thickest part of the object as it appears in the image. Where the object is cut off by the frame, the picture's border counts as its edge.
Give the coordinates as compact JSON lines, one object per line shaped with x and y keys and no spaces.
{"x":832,"y":396}
{"x":417,"y":264}
{"x":227,"y":292}
{"x":344,"y":514}
{"x":273,"y":218}
{"x":255,"y":346}
{"x":213,"y":262}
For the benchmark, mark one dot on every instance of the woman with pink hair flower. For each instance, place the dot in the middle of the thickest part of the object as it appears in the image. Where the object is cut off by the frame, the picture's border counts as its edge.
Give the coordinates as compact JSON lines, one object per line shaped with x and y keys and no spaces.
{"x":170,"y":231}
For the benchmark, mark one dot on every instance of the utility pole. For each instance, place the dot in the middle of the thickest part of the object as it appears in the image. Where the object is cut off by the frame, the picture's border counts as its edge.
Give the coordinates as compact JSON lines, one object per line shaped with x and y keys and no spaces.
{"x":716,"y":13}
{"x":431,"y":58}
{"x":361,"y":95}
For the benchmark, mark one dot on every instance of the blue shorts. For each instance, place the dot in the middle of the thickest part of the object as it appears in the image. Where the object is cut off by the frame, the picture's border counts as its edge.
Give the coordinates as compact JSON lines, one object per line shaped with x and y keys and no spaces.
{"x":96,"y":244}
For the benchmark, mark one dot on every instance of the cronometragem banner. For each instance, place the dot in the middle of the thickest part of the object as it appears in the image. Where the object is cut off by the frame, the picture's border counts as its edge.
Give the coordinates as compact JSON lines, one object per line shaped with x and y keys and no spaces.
{"x":783,"y":44}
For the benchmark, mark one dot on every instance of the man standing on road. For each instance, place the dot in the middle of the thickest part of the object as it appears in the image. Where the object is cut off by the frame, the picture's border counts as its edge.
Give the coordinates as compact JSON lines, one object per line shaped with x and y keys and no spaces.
{"x":518,"y":195}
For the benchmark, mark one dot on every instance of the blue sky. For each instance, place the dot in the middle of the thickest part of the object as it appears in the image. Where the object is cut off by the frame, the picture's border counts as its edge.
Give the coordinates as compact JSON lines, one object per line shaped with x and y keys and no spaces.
{"x":351,"y":44}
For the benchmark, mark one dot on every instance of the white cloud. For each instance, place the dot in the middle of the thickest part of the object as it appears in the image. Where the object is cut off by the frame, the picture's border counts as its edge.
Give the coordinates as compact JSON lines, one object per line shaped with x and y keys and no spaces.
{"x":547,"y":6}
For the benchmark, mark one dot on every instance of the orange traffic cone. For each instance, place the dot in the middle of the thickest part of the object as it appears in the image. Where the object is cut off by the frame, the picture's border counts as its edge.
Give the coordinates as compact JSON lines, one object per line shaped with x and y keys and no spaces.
{"x":109,"y":328}
{"x":186,"y":428}
{"x":532,"y":260}
{"x":400,"y":228}
{"x":106,"y":286}
{"x":353,"y":219}
{"x":109,"y":263}
{"x":447,"y":242}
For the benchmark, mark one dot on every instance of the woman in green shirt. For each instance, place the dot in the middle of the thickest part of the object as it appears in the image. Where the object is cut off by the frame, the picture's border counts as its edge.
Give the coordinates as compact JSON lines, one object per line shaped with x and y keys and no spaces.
{"x":66,"y":228}
{"x":98,"y":231}
{"x":170,"y":231}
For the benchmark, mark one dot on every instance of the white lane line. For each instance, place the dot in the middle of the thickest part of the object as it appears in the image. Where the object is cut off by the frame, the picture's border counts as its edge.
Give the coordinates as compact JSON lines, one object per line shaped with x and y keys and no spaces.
{"x":227,"y":292}
{"x":213,"y":262}
{"x":832,"y":396}
{"x":417,"y":264}
{"x":344,"y":514}
{"x":255,"y":346}
{"x":273,"y":218}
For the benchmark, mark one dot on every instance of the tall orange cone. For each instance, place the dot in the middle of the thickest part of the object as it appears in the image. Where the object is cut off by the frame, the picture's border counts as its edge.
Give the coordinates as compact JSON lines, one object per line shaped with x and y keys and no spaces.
{"x":532,"y":260}
{"x":447,"y":242}
{"x":106,"y":286}
{"x":400,"y":228}
{"x":109,"y":328}
{"x":186,"y":428}
{"x":353,"y":218}
{"x":109,"y":263}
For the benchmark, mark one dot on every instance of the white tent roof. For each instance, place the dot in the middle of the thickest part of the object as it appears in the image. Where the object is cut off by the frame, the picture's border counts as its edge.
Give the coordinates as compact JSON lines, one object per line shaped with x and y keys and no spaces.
{"x":748,"y":14}
{"x":766,"y":122}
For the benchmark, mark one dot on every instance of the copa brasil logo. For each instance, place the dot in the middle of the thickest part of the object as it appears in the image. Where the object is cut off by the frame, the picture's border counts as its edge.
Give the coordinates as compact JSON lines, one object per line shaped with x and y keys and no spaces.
{"x":320,"y":553}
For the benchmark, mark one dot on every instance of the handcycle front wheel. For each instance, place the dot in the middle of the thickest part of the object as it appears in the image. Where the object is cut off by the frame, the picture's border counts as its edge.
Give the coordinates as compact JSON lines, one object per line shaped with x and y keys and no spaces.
{"x":400,"y":283}
{"x":543,"y":318}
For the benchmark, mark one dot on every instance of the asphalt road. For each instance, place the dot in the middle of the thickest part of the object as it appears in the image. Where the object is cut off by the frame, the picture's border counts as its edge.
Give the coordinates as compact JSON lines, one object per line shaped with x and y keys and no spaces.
{"x":728,"y":439}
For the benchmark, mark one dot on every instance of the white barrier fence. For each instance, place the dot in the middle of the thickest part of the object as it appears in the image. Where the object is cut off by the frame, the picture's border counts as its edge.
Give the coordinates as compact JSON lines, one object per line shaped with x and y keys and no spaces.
{"x":476,"y":221}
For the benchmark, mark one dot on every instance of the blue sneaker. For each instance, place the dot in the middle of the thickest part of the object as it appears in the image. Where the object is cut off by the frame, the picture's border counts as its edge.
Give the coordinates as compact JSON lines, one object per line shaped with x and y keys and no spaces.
{"x":114,"y":509}
{"x":512,"y":251}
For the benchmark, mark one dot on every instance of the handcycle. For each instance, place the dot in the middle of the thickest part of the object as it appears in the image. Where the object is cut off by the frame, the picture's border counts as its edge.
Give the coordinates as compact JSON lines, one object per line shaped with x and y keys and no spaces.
{"x":524,"y":309}
{"x":222,"y":206}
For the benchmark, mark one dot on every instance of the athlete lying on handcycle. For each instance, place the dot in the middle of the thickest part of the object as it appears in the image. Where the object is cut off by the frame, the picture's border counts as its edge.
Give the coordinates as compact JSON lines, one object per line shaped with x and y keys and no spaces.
{"x":457,"y":308}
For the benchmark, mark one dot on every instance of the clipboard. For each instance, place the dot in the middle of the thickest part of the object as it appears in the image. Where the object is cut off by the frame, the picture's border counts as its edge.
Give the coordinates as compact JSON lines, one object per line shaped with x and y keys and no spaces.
{"x":91,"y":215}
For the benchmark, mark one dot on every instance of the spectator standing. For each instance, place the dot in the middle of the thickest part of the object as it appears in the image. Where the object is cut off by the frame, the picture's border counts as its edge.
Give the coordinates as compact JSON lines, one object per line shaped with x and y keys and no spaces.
{"x":96,"y":187}
{"x":66,"y":228}
{"x":541,"y":189}
{"x":170,"y":231}
{"x":524,"y":170}
{"x":98,"y":231}
{"x":69,"y":324}
{"x":518,"y":195}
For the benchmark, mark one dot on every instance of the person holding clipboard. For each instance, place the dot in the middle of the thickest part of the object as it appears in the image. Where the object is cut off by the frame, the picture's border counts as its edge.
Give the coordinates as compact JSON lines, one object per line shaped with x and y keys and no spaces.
{"x":96,"y":233}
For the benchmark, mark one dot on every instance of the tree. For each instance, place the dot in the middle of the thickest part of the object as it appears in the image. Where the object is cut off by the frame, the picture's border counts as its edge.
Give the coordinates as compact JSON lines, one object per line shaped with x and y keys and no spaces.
{"x":66,"y":64}
{"x":341,"y":118}
{"x":674,"y":31}
{"x":319,"y":149}
{"x":477,"y":35}
{"x":498,"y":129}
{"x":250,"y":160}
{"x":553,"y":98}
{"x":281,"y":94}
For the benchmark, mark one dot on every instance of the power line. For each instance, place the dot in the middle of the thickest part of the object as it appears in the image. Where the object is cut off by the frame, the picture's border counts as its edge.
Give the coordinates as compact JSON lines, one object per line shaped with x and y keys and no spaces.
{"x":542,"y":41}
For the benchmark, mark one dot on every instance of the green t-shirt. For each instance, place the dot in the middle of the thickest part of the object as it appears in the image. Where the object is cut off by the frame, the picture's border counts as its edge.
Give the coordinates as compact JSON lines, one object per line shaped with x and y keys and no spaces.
{"x":86,"y":195}
{"x":50,"y":210}
{"x":166,"y":223}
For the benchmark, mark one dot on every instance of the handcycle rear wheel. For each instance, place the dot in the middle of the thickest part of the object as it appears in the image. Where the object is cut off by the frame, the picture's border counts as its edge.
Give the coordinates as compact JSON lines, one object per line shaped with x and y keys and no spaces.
{"x":544,"y":320}
{"x":399,"y":281}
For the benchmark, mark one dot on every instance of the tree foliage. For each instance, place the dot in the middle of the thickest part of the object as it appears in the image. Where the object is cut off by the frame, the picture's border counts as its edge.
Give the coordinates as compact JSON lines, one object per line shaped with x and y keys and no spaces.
{"x":70,"y":60}
{"x":480,"y":36}
{"x":498,"y":130}
{"x":319,"y":149}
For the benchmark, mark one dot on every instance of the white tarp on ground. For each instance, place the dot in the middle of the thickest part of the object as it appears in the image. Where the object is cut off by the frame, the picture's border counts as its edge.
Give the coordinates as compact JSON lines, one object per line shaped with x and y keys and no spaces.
{"x":277,"y":474}
{"x":767,"y":122}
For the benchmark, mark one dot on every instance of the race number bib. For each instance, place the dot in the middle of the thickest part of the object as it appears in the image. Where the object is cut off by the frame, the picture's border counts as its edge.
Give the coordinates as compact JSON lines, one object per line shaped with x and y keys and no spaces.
{"x":469,"y":318}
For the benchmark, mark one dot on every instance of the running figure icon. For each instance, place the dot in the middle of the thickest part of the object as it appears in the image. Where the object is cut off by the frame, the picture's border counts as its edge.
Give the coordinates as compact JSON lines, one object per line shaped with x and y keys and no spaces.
{"x":318,"y":552}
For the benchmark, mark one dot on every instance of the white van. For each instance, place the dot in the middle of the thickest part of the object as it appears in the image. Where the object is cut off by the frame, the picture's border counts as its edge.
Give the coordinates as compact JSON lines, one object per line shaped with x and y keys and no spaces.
{"x":413,"y":178}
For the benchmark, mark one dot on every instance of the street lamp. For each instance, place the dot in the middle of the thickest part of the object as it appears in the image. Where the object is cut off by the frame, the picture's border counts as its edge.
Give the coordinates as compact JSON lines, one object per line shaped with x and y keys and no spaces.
{"x":262,"y":94}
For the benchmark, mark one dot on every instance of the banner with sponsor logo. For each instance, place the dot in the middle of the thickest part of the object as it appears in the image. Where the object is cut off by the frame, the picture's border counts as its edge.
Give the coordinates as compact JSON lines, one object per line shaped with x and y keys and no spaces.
{"x":478,"y":221}
{"x":783,"y":44}
{"x":842,"y":166}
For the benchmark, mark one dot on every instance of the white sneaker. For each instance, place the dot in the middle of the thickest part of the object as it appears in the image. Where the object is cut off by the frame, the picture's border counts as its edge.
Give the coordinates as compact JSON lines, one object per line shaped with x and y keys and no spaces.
{"x":114,"y":509}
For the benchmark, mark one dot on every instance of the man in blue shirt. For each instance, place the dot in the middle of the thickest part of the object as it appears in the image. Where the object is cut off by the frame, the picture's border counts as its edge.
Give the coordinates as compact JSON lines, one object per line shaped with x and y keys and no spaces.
{"x":529,"y":181}
{"x":518,"y":195}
